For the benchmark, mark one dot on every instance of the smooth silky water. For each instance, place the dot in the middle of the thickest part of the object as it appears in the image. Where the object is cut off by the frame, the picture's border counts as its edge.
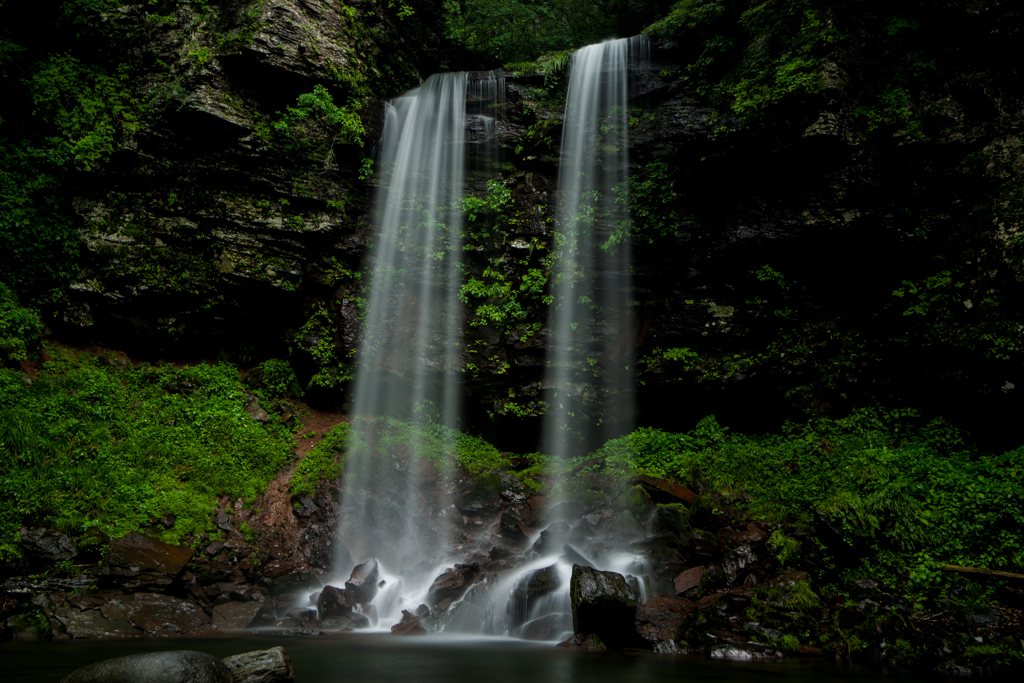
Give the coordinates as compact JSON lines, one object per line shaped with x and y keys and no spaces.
{"x":380,"y":658}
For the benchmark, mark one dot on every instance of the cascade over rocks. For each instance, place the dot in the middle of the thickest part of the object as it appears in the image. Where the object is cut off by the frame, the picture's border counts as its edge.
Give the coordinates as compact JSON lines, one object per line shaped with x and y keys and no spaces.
{"x":451,"y":585}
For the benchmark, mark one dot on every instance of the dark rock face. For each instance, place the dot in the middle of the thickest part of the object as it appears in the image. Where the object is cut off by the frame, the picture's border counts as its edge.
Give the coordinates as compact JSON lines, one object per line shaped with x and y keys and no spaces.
{"x":361,"y":586}
{"x":604,"y":605}
{"x":235,"y":616}
{"x":332,"y":603}
{"x":136,"y":561}
{"x":183,"y":666}
{"x":661,"y":617}
{"x":262,"y":666}
{"x":453,"y":584}
{"x":48,"y":545}
{"x":688,"y":581}
{"x":409,"y":625}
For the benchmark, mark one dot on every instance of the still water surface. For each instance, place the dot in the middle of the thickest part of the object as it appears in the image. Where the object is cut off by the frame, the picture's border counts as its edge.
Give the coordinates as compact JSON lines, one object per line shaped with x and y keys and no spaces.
{"x":383,"y":658}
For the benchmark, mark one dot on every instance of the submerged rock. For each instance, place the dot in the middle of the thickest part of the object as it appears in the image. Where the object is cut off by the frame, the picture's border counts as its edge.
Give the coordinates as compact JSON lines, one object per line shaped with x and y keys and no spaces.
{"x":182,"y":666}
{"x":604,"y":605}
{"x":261,"y":666}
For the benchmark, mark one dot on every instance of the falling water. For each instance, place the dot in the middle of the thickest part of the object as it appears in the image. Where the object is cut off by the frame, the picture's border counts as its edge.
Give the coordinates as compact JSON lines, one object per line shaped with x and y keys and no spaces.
{"x":409,"y":356}
{"x":589,"y":378}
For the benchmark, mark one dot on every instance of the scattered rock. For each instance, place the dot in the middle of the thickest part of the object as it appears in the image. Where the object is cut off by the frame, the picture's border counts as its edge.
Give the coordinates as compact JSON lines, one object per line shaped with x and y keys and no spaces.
{"x":181,"y":666}
{"x":135,"y":562}
{"x":361,"y":586}
{"x":688,"y":582}
{"x":262,"y":666}
{"x":589,"y":643}
{"x":332,"y":603}
{"x":409,"y":625}
{"x":48,"y":545}
{"x":235,"y":616}
{"x":453,"y":584}
{"x":603,"y":604}
{"x":661,"y":617}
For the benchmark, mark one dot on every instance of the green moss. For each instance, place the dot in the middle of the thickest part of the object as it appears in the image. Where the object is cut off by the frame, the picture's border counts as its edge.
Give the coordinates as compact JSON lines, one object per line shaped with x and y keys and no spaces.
{"x":115,"y":447}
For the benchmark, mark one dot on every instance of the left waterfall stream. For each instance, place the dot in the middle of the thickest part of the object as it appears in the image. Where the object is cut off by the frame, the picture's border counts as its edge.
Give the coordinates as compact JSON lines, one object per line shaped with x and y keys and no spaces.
{"x":394,"y":535}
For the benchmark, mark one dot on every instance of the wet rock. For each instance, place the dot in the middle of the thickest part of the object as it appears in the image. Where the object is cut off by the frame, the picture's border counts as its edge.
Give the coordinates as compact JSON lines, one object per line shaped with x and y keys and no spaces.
{"x":736,"y":561}
{"x":24,"y":585}
{"x":511,"y":489}
{"x":288,"y":583}
{"x":793,"y":577}
{"x":546,"y":628}
{"x":235,"y":616}
{"x":552,"y":537}
{"x":571,"y":556}
{"x":48,"y":545}
{"x":137,"y":562}
{"x":332,"y":603}
{"x":408,"y":626}
{"x":262,"y":666}
{"x":664,"y":491}
{"x":688,"y":582}
{"x":256,"y":412}
{"x":511,"y":527}
{"x":223,"y":521}
{"x":590,"y":643}
{"x":163,"y":614}
{"x":110,"y":622}
{"x":452,"y":584}
{"x":303,"y":506}
{"x":361,"y":587}
{"x":603,"y":604}
{"x":182,"y":666}
{"x":528,"y":589}
{"x":301,"y":614}
{"x":661,"y":618}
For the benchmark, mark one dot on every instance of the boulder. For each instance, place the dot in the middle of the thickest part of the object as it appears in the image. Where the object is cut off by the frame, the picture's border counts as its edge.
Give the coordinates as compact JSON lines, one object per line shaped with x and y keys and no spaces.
{"x":235,"y":616}
{"x":261,"y":666}
{"x":361,"y":587}
{"x":736,"y":561}
{"x":163,"y":614}
{"x":660,"y":618}
{"x":139,"y":562}
{"x":181,"y":666}
{"x":332,"y":603}
{"x":664,"y":491}
{"x":453,"y":584}
{"x":604,"y":605}
{"x":687,"y":582}
{"x":590,"y":643}
{"x":511,"y":527}
{"x":48,"y":545}
{"x":527,"y":590}
{"x":409,"y":625}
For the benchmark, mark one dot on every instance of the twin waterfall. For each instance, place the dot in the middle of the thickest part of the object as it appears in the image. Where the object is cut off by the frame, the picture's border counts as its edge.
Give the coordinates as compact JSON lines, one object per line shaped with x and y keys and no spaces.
{"x":399,"y":514}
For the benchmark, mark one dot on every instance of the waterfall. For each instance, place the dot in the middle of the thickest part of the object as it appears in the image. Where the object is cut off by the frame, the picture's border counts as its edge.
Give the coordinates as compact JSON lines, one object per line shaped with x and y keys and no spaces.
{"x":589,"y":378}
{"x":409,"y":353}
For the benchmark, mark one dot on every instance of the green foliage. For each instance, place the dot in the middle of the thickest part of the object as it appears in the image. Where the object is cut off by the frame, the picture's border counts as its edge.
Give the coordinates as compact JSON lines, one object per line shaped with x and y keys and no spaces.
{"x":914,"y":492}
{"x":317,"y":337}
{"x":318,"y":106}
{"x":96,"y":443}
{"x":323,"y":463}
{"x":277,"y":379}
{"x":20,"y":328}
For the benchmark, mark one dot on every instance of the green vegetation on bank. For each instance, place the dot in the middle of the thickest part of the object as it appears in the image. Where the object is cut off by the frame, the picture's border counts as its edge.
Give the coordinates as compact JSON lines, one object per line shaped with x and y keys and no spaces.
{"x":95,"y":444}
{"x":907,"y":493}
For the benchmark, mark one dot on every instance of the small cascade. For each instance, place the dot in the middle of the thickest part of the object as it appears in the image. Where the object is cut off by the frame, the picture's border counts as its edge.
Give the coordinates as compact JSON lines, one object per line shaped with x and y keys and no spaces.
{"x":408,"y":359}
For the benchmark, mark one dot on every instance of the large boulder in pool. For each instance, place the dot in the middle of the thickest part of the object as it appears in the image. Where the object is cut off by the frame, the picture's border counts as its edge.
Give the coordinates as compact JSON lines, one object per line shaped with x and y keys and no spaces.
{"x":604,"y":605}
{"x":180,"y":666}
{"x":262,"y":666}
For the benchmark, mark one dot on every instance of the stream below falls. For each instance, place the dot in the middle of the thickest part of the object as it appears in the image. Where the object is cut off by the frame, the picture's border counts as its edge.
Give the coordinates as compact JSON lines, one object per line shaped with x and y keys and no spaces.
{"x":383,"y":658}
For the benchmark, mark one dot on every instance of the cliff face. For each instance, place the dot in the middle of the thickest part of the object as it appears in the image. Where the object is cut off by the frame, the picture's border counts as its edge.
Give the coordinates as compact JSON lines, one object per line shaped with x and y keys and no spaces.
{"x":840,"y":232}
